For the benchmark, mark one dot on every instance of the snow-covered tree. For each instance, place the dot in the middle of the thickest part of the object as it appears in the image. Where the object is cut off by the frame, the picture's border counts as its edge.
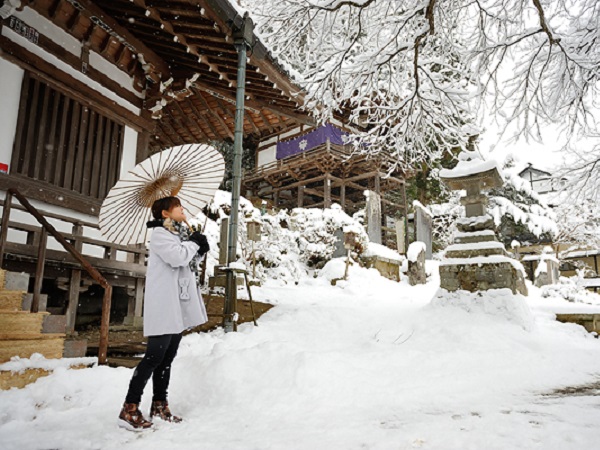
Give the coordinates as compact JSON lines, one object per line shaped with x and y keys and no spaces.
{"x":414,"y":71}
{"x":519,"y":212}
{"x":578,"y":226}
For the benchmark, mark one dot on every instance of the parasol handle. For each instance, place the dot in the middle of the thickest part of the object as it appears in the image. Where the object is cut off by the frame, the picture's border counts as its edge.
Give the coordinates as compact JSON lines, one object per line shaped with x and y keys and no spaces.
{"x":193,"y":228}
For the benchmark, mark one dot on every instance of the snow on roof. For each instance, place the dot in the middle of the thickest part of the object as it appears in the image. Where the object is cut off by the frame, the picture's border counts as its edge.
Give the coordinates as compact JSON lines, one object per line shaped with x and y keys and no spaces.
{"x":470,"y":163}
{"x":475,"y":246}
{"x":426,"y":210}
{"x":581,"y":253}
{"x":473,"y":220}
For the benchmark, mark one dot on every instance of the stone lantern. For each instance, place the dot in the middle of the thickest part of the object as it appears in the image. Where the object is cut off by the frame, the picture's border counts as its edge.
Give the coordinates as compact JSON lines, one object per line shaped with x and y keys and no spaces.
{"x":477,"y":261}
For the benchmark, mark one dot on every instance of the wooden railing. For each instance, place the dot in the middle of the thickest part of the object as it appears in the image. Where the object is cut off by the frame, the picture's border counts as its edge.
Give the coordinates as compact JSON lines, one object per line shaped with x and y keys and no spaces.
{"x":46,"y":229}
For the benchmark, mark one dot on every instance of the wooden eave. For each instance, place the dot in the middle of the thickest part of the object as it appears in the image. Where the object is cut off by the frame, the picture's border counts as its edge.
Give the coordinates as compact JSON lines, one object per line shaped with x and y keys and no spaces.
{"x":181,"y":52}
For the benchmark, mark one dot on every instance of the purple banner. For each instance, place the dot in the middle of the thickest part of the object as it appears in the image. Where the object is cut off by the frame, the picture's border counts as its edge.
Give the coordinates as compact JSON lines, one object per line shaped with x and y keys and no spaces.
{"x":311,"y":140}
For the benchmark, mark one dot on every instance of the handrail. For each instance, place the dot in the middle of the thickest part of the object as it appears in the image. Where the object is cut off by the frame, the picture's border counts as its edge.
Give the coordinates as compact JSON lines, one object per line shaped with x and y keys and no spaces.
{"x":93,"y":272}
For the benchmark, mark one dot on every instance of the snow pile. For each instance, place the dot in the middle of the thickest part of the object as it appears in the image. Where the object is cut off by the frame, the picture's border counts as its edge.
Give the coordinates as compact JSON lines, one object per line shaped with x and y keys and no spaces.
{"x":37,"y":361}
{"x":368,"y":363}
{"x":414,"y":249}
{"x":374,"y":249}
{"x":499,"y":303}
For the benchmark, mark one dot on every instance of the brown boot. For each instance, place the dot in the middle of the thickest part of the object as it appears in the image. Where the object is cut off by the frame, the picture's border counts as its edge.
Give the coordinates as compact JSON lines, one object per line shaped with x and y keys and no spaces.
{"x":160,"y":409}
{"x":132,"y":419}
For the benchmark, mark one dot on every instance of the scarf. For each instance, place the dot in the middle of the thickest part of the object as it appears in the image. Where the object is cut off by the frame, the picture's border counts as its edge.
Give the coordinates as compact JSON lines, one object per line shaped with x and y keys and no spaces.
{"x":184,"y":234}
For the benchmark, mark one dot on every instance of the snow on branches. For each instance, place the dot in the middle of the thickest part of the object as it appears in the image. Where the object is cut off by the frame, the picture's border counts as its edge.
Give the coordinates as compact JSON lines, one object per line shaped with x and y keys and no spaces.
{"x":414,"y":72}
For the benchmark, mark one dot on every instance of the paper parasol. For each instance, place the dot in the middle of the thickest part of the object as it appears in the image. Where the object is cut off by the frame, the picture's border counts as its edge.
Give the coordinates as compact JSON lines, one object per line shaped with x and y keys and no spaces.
{"x":192,"y":173}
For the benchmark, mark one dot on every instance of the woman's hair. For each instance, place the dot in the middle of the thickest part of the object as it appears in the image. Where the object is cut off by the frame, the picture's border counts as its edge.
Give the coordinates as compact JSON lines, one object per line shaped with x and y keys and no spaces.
{"x":164,"y":204}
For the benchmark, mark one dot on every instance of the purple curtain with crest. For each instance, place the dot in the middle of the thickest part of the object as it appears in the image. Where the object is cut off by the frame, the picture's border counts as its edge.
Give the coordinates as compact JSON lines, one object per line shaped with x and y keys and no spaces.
{"x":311,"y":140}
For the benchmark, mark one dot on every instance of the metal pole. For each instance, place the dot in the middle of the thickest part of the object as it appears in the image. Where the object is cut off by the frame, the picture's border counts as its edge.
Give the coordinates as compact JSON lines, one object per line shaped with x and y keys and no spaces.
{"x":242,"y":36}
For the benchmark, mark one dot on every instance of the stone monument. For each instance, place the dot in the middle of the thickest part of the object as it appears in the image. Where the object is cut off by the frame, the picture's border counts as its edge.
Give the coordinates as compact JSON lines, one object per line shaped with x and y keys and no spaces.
{"x":477,"y":261}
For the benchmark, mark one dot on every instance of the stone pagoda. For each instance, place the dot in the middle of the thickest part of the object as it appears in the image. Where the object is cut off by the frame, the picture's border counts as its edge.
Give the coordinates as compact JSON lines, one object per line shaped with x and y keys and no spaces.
{"x":477,"y":261}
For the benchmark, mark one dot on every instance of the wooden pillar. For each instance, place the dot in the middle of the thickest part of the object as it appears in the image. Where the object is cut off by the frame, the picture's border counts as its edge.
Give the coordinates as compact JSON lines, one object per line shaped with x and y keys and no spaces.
{"x":327,"y":189}
{"x":300,"y":196}
{"x":405,"y":218}
{"x":143,"y":140}
{"x":74,"y":283}
{"x":139,"y":297}
{"x":343,"y":196}
{"x":276,"y":198}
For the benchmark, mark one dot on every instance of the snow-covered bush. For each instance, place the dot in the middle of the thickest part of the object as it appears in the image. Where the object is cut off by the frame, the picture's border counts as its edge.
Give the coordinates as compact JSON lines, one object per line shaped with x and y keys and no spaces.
{"x":316,"y":233}
{"x":571,"y":290}
{"x":292,"y":243}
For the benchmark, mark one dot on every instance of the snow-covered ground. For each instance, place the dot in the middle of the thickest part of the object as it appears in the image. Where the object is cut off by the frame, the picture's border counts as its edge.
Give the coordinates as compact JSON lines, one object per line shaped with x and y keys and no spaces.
{"x":366,"y":364}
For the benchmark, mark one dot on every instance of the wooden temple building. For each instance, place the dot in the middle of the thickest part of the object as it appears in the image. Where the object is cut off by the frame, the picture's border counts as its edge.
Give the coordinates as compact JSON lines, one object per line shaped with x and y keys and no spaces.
{"x":317,"y":166}
{"x":89,"y":88}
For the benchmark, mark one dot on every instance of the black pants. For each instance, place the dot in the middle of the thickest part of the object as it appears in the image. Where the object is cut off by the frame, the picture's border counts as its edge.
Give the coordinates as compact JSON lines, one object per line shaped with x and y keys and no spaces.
{"x":160,"y":352}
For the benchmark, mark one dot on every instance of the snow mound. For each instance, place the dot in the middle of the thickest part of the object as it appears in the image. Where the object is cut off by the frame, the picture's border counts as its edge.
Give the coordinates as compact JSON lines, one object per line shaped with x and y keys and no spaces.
{"x":501,"y":303}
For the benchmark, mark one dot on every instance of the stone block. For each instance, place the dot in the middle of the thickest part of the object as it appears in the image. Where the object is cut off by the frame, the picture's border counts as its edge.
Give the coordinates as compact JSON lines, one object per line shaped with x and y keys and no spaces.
{"x":133,"y":321}
{"x":54,"y":324}
{"x":75,"y":348}
{"x":16,"y":281}
{"x":416,"y":269}
{"x":27,"y":300}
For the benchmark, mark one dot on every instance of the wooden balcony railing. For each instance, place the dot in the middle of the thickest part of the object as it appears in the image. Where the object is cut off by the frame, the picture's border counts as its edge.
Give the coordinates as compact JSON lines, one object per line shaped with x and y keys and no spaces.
{"x":39,"y":236}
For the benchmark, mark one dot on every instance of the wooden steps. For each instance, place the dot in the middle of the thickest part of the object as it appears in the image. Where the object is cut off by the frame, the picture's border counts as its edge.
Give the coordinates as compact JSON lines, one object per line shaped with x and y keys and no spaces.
{"x":21,"y":331}
{"x":12,"y":300}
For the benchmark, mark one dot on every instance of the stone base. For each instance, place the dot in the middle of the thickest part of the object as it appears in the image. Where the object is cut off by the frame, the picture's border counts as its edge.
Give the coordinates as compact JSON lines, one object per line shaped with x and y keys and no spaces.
{"x":133,"y":321}
{"x":481,"y":277}
{"x":388,"y":268}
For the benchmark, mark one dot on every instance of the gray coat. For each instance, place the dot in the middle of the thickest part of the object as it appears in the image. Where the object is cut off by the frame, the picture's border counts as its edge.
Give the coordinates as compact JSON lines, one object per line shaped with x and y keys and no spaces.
{"x":172,"y":300}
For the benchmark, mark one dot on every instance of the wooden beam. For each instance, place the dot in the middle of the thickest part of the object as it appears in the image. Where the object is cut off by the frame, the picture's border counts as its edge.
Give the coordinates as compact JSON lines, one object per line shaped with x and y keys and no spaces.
{"x":111,"y":26}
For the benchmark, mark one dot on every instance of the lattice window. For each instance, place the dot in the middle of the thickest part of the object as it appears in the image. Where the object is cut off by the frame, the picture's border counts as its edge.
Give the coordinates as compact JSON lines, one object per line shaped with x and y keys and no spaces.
{"x":65,"y":143}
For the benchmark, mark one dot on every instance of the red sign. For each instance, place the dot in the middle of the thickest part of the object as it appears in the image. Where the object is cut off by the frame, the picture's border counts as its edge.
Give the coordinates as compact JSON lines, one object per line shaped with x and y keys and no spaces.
{"x":3,"y":168}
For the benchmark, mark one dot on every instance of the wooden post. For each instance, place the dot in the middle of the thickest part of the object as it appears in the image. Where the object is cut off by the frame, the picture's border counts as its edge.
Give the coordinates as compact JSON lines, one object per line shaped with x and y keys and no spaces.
{"x":103,"y":344}
{"x":405,"y":218}
{"x":4,"y":230}
{"x":39,"y":270}
{"x":276,"y":198}
{"x":327,"y":186}
{"x":139,"y":297}
{"x":300,"y":196}
{"x":74,"y":283}
{"x":343,"y":196}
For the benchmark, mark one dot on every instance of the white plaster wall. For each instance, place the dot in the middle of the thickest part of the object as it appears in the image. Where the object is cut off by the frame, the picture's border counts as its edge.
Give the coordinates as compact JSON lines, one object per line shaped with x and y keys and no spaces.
{"x":129,"y":151}
{"x":266,"y":156}
{"x":11,"y":77}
